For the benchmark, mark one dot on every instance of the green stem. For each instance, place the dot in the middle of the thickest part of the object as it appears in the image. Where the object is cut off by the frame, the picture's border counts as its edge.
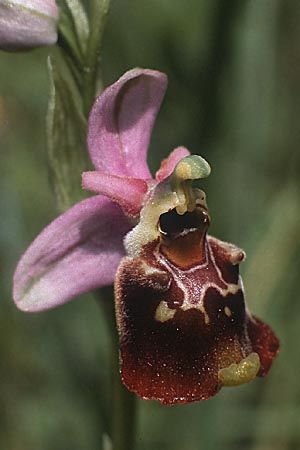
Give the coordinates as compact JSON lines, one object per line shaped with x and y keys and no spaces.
{"x":123,"y":411}
{"x":124,"y":415}
{"x":98,"y":13}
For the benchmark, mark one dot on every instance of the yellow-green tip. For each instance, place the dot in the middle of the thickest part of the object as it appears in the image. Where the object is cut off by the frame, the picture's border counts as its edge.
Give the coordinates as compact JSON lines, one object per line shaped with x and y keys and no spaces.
{"x":192,"y":167}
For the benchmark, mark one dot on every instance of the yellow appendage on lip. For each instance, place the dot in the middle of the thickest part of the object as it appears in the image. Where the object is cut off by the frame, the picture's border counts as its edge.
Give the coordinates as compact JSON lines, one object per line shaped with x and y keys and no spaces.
{"x":240,"y":373}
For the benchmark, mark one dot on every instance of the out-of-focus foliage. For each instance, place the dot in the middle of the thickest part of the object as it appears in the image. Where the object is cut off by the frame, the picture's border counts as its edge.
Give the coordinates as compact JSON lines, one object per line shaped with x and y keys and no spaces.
{"x":234,"y":98}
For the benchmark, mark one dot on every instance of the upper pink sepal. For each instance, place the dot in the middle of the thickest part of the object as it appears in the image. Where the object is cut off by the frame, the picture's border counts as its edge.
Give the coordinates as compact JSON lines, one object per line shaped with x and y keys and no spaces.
{"x":121,"y":122}
{"x":168,"y":165}
{"x":127,"y":192}
{"x":78,"y":252}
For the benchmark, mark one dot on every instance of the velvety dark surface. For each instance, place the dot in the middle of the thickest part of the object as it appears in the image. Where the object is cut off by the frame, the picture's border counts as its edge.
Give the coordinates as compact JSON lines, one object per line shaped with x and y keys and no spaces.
{"x":177,"y":359}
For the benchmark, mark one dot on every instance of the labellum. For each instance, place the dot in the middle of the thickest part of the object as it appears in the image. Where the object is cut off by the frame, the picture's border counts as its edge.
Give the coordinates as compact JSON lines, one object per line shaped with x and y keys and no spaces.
{"x":184,"y":327}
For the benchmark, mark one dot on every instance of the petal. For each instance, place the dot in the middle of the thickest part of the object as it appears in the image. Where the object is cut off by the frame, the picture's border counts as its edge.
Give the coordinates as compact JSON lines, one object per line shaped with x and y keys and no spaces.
{"x":171,"y":354}
{"x":168,"y":165}
{"x":77,"y":252}
{"x":26,"y":24}
{"x":121,"y":122}
{"x":184,"y":330}
{"x":127,"y":192}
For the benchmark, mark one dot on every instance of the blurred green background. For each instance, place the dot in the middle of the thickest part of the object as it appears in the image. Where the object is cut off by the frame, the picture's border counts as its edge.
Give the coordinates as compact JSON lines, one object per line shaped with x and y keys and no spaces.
{"x":234,"y":98}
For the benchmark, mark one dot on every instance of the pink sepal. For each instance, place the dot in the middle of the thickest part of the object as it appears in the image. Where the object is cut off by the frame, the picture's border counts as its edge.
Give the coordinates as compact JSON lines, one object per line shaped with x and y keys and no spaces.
{"x":121,"y":122}
{"x":78,"y":252}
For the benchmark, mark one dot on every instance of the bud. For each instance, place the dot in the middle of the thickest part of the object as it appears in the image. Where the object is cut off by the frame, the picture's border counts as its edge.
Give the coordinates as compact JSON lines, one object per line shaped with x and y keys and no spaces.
{"x":25,"y":24}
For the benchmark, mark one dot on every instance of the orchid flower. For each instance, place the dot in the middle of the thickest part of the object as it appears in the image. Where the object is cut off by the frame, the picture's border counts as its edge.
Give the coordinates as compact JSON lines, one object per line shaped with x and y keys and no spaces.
{"x":26,"y":24}
{"x":184,"y":328}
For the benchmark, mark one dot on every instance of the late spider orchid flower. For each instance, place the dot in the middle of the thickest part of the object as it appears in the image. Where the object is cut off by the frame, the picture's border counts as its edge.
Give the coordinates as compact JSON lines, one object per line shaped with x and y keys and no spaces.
{"x":26,"y":24}
{"x":184,"y":328}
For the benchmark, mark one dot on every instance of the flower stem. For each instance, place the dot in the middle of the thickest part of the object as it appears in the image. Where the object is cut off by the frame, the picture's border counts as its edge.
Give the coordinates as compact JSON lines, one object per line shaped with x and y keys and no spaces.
{"x":123,"y":410}
{"x":98,"y":14}
{"x":124,"y":415}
